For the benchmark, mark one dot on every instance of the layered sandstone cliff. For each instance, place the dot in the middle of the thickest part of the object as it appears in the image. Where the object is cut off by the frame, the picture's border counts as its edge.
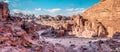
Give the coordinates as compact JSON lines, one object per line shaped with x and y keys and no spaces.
{"x":108,"y":13}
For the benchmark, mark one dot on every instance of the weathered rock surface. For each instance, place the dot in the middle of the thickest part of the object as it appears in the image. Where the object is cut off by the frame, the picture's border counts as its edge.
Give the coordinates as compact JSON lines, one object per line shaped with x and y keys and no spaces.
{"x":80,"y":27}
{"x":108,"y":13}
{"x":15,"y":39}
{"x":116,"y":35}
{"x":85,"y":28}
{"x":4,"y":11}
{"x":101,"y":46}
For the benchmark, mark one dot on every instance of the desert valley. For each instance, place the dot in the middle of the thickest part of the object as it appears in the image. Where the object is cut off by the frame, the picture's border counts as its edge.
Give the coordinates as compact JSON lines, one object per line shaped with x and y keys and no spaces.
{"x":95,"y":30}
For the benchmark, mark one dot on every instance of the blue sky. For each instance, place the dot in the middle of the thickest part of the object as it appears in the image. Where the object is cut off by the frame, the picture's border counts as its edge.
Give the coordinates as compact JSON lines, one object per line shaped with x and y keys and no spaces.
{"x":51,"y":7}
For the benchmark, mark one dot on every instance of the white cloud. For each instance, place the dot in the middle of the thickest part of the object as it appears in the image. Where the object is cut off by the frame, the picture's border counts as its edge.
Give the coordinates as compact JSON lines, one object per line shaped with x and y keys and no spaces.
{"x":73,"y":11}
{"x":16,"y":11}
{"x":38,"y":9}
{"x":53,"y":10}
{"x":14,"y":4}
{"x":26,"y":11}
{"x":70,"y":9}
{"x":6,"y":1}
{"x":22,"y":11}
{"x":79,"y":8}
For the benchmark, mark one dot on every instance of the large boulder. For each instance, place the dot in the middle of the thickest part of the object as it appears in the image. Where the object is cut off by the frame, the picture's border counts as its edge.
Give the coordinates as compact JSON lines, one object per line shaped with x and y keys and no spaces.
{"x":116,"y":35}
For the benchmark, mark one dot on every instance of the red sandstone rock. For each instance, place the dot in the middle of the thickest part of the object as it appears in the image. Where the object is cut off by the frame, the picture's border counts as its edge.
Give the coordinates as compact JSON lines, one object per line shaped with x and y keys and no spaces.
{"x":16,"y":36}
{"x":4,"y":11}
{"x":14,"y":39}
{"x":107,"y":12}
{"x":60,"y":33}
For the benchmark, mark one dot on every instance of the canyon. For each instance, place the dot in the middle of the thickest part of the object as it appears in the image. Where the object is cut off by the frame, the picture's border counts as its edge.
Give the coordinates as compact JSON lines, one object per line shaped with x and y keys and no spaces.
{"x":96,"y":30}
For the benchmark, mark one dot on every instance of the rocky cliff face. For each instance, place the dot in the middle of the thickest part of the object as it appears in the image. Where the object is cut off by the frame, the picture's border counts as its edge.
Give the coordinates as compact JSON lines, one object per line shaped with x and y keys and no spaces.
{"x":108,"y":13}
{"x":81,"y":27}
{"x":4,"y":11}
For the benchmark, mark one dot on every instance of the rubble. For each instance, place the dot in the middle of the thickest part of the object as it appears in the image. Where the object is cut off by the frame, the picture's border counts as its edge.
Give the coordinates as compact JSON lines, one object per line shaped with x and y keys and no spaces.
{"x":101,"y":46}
{"x":116,"y":35}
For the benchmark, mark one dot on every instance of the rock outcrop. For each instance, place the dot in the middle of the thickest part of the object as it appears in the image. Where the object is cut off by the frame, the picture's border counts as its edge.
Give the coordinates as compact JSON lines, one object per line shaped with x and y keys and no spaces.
{"x":116,"y":35}
{"x":4,"y":11}
{"x":84,"y":28}
{"x":107,"y":12}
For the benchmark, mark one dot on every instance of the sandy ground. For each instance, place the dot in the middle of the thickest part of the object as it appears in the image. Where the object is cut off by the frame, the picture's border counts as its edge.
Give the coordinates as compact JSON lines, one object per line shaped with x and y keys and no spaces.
{"x":69,"y":41}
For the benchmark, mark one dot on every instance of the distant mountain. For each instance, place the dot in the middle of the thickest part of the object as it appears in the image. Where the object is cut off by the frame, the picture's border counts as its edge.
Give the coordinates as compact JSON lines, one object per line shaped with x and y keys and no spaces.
{"x":21,"y":15}
{"x":50,"y":18}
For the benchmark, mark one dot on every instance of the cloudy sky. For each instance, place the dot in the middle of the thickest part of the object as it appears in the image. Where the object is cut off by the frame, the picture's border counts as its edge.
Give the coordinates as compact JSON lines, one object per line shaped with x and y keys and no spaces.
{"x":51,"y":7}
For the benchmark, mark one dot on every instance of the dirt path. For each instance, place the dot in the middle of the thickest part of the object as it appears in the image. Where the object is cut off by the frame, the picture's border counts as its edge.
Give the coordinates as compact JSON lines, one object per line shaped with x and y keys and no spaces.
{"x":69,"y":41}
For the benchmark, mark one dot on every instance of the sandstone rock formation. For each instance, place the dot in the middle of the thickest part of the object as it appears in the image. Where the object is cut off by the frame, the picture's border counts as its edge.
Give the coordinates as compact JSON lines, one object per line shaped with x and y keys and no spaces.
{"x":107,"y":12}
{"x":4,"y":11}
{"x":85,"y":28}
{"x":17,"y":35}
{"x":78,"y":26}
